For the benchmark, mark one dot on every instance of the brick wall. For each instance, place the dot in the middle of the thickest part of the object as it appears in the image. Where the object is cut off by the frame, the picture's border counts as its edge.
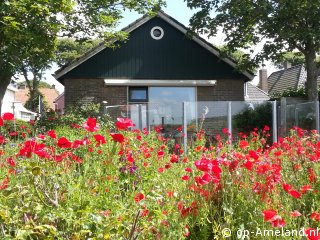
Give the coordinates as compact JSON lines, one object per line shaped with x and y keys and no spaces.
{"x":224,"y":90}
{"x":93,"y":90}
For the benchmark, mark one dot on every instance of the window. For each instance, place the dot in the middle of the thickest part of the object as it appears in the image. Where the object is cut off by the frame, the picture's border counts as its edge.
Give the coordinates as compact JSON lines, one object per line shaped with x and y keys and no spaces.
{"x":138,"y":94}
{"x":157,"y":33}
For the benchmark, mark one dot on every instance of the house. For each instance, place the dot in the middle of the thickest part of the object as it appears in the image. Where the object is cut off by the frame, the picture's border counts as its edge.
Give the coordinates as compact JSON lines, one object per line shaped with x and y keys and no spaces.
{"x":160,"y":64}
{"x":289,"y":78}
{"x":49,"y":94}
{"x":10,"y":104}
{"x":59,"y":104}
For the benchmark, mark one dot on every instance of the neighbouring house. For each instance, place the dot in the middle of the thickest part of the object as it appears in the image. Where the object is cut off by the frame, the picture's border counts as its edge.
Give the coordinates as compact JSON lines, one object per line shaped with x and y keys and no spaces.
{"x":12,"y":105}
{"x":59,"y":104}
{"x":160,"y":64}
{"x":289,"y":78}
{"x":260,"y":92}
{"x":49,"y":94}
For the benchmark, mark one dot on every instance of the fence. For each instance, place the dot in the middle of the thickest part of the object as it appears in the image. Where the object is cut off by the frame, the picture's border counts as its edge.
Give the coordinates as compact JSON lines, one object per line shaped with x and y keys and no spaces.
{"x":183,"y":119}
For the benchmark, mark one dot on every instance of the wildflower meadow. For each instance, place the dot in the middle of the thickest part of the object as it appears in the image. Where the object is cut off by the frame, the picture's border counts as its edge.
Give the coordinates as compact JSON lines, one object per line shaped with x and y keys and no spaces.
{"x":111,"y":181}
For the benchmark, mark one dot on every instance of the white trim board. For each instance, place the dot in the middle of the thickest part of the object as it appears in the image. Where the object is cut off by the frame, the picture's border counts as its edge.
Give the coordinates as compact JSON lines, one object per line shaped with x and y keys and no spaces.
{"x":142,"y":82}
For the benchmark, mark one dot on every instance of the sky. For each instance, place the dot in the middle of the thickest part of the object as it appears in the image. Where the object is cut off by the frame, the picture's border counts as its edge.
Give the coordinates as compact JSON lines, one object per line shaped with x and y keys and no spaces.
{"x":177,"y":9}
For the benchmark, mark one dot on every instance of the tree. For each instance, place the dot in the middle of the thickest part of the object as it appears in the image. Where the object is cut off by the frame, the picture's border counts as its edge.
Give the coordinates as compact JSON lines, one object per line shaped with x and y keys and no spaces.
{"x":281,"y":26}
{"x":69,"y":49}
{"x":294,"y":58}
{"x":30,"y":27}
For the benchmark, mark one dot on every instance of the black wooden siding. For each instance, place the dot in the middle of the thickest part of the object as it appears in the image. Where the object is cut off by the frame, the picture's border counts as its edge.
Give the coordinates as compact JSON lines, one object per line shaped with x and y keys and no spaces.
{"x":175,"y":56}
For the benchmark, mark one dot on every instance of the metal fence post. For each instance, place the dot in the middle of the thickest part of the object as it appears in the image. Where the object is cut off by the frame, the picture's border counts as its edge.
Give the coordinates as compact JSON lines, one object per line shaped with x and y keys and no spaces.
{"x":140,"y":116}
{"x":317,"y":115}
{"x":274,"y":122}
{"x":185,"y":131}
{"x":230,"y":120}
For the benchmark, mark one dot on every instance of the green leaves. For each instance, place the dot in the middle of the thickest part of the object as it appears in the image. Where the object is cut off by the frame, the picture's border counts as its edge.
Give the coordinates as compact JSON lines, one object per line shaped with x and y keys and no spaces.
{"x":278,"y":26}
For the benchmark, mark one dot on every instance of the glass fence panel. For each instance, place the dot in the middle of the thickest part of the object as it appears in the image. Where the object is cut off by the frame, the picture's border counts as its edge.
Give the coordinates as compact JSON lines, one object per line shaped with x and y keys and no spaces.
{"x":301,"y":115}
{"x":249,"y":115}
{"x":211,"y":117}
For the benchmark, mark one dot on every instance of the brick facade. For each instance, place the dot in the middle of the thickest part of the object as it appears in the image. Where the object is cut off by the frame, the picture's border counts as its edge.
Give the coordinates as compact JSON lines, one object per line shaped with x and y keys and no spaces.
{"x":224,"y":90}
{"x":93,"y":90}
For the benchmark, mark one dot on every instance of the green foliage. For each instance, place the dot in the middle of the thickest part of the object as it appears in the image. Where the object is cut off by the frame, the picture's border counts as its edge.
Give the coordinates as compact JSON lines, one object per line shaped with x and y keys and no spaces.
{"x":29,"y":29}
{"x":299,"y":93}
{"x":279,"y":26}
{"x":33,"y":104}
{"x":295,"y":58}
{"x":75,"y":115}
{"x":242,"y":59}
{"x":69,"y":49}
{"x":256,"y":117}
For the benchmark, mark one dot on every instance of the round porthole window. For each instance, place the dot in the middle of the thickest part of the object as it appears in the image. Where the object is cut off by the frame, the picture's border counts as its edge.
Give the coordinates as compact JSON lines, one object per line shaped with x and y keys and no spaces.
{"x":157,"y":33}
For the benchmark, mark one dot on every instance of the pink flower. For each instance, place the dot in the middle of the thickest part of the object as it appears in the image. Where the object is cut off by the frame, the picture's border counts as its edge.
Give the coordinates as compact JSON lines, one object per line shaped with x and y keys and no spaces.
{"x":295,"y":213}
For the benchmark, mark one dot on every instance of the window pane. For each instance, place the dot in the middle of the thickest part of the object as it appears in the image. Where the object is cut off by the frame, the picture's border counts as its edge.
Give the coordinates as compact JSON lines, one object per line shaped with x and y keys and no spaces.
{"x":172,"y":94}
{"x":138,"y":94}
{"x":166,"y":105}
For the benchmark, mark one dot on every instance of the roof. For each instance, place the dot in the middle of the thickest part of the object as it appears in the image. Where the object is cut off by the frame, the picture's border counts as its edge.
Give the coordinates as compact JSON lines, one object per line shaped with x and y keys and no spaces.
{"x":254,"y":93}
{"x":290,"y":78}
{"x":60,"y":96}
{"x":49,"y":94}
{"x":174,"y":23}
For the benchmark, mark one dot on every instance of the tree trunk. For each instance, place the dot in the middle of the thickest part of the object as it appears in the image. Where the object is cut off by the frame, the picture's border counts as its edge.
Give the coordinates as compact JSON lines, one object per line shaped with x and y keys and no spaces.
{"x":311,"y":67}
{"x":5,"y":79}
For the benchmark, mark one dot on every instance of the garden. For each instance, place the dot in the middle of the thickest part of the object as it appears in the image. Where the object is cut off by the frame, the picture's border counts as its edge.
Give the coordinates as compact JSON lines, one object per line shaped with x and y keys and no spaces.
{"x":95,"y":179}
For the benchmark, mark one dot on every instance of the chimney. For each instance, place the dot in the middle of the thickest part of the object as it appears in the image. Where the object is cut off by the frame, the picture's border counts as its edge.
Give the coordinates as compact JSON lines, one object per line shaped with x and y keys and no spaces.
{"x":53,"y":86}
{"x":287,"y":65}
{"x":263,"y":80}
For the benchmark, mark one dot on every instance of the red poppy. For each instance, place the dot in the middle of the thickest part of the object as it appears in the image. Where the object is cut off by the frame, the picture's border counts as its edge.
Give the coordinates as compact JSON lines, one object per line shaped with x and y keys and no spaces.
{"x":99,"y":138}
{"x":270,"y":215}
{"x":2,"y":140}
{"x":4,"y":183}
{"x":315,"y":216}
{"x":188,"y":169}
{"x":294,"y":194}
{"x":304,"y":189}
{"x":174,"y":158}
{"x":185,"y":177}
{"x":64,"y":143}
{"x":243,"y":144}
{"x":1,"y":122}
{"x":52,"y":134}
{"x":10,"y":161}
{"x":8,"y":116}
{"x":124,"y":123}
{"x":118,"y":137}
{"x":312,"y":234}
{"x":138,"y":197}
{"x":91,"y":125}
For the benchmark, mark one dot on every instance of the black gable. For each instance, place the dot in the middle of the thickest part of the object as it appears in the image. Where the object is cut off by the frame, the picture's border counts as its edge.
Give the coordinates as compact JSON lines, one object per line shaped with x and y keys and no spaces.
{"x":175,"y":56}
